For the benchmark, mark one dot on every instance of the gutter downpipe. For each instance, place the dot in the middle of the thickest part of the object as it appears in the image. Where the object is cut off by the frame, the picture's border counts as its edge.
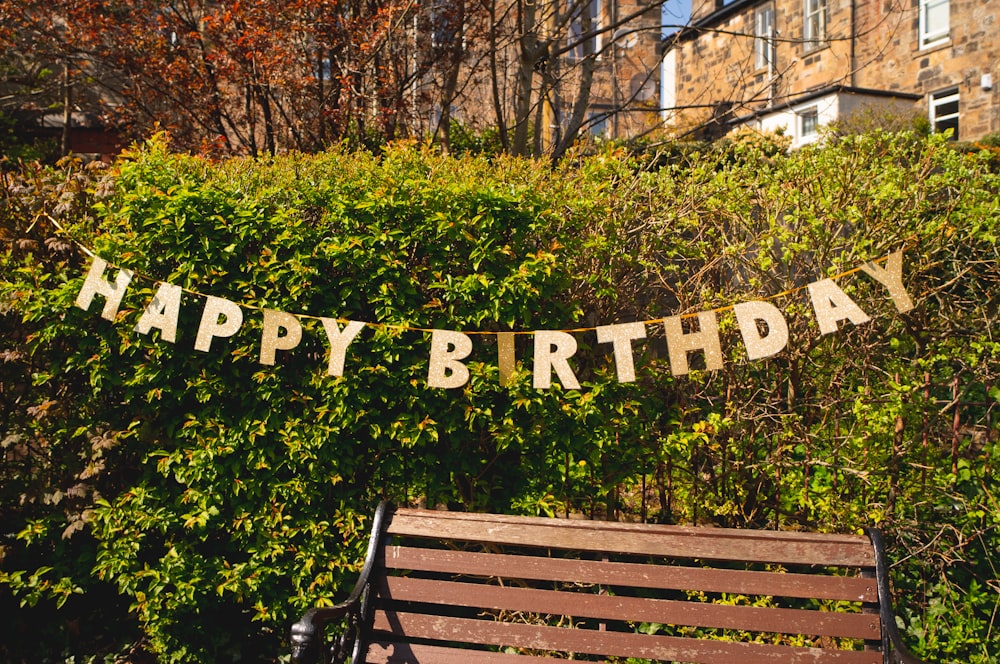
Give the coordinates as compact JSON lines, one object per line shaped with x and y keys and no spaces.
{"x":853,"y":56}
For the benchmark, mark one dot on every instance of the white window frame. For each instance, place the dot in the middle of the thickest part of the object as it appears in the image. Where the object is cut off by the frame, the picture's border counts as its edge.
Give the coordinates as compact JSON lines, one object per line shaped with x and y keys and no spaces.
{"x":939,"y":99}
{"x":763,"y":31}
{"x":931,"y":34}
{"x":813,"y":24}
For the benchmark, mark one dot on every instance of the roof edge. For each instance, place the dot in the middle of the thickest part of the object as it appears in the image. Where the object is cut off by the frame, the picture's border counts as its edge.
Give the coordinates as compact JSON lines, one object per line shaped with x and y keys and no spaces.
{"x":822,"y":92}
{"x":706,"y":22}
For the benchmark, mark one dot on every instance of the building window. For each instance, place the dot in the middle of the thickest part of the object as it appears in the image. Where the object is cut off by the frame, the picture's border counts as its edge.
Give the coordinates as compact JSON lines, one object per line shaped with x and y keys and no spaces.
{"x":944,"y":111}
{"x":808,"y":124}
{"x":935,"y":17}
{"x":763,"y":32}
{"x":445,"y":25}
{"x":581,"y":25}
{"x":323,"y":70}
{"x":814,"y":29}
{"x":598,"y":124}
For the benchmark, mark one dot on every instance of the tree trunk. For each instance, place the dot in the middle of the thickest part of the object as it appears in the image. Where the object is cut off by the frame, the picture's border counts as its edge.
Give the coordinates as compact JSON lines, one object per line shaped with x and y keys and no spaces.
{"x":529,"y":56}
{"x":454,"y":52}
{"x":498,"y":108}
{"x":582,"y":101}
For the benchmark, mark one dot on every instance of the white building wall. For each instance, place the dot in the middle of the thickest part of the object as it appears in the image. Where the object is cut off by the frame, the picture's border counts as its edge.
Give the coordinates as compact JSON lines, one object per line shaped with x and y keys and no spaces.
{"x":668,"y":86}
{"x":826,"y":109}
{"x":790,"y":121}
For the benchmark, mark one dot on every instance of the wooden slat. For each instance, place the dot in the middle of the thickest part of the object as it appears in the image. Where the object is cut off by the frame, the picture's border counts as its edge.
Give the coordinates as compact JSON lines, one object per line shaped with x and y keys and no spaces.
{"x":664,"y":648}
{"x":385,"y":652}
{"x":639,"y":539}
{"x":621,"y":526}
{"x":636,"y":609}
{"x":661,"y":577}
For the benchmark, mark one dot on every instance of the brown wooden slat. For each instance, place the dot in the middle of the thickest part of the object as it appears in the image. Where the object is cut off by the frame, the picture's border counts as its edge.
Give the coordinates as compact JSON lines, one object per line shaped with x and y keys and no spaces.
{"x":662,"y":577}
{"x":622,"y":526}
{"x":639,"y":539}
{"x":636,"y":609}
{"x":667,"y":648}
{"x":385,"y":652}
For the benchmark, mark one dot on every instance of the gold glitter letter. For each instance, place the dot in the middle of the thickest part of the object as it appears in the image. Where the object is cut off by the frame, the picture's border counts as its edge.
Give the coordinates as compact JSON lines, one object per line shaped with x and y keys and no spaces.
{"x":833,"y":305}
{"x":271,"y":338}
{"x":221,"y":318}
{"x":112,"y":292}
{"x":339,"y":341}
{"x":706,"y":339}
{"x":162,"y":312}
{"x":773,"y":341}
{"x":552,"y":350}
{"x":447,"y":349}
{"x":892,"y":278}
{"x":621,"y":337}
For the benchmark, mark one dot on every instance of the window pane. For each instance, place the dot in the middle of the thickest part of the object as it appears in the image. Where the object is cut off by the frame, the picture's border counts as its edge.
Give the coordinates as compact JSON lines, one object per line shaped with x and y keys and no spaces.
{"x":810,"y":122}
{"x":577,"y":28}
{"x":813,"y":30}
{"x":937,"y":18}
{"x":763,"y":22}
{"x":943,"y":125}
{"x":934,"y":20}
{"x":814,"y":16}
{"x":947,"y":108}
{"x":944,"y":111}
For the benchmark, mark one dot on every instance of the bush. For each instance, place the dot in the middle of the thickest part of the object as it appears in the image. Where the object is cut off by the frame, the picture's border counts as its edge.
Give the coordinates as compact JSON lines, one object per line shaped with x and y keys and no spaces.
{"x":15,"y":147}
{"x":220,"y":497}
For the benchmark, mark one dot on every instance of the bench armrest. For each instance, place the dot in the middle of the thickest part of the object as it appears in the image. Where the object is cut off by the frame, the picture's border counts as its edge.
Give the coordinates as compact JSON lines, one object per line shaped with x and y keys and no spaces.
{"x":892,"y":643}
{"x":307,"y":634}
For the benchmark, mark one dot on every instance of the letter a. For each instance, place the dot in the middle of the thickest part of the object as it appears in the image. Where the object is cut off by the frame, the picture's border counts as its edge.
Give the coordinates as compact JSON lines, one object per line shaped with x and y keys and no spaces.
{"x":162,"y":312}
{"x":833,"y":305}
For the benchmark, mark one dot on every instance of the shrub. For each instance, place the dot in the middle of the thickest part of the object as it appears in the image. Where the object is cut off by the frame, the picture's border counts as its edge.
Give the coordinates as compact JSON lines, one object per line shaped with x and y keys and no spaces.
{"x":221,"y":496}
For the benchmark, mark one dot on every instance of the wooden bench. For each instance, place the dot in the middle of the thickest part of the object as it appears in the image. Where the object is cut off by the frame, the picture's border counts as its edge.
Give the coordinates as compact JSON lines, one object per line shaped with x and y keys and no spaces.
{"x":462,"y":588}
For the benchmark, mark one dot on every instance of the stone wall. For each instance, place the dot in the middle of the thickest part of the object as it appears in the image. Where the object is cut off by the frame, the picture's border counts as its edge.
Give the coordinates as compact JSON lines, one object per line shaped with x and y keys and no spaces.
{"x":895,"y":61}
{"x":870,"y":45}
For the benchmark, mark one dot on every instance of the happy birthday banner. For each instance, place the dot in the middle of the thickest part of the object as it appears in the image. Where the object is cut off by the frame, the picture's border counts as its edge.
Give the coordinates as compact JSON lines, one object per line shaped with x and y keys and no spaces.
{"x":762,"y":326}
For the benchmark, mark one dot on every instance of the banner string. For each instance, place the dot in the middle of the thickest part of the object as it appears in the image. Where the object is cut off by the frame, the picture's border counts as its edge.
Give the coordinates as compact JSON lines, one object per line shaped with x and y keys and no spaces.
{"x":408,"y":328}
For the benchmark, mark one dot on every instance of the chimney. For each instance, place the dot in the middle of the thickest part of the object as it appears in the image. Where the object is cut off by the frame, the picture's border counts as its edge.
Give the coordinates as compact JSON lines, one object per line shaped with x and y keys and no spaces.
{"x":702,"y":8}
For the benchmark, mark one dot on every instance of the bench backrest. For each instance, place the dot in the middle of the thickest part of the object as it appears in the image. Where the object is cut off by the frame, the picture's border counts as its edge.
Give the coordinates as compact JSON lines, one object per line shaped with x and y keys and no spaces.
{"x":452,"y":581}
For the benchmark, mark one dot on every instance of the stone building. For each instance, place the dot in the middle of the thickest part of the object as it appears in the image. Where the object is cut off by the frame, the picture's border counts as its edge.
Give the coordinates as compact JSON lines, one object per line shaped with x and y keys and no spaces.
{"x":581,"y":67}
{"x":548,"y":73}
{"x":624,"y":103}
{"x":795,"y":65}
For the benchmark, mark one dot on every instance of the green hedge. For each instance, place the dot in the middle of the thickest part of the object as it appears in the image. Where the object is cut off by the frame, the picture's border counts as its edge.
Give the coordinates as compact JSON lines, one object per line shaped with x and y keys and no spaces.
{"x":193,"y":503}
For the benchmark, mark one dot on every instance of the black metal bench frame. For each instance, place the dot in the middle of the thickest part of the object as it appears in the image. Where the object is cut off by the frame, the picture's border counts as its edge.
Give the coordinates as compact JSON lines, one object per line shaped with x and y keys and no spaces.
{"x":359,"y":609}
